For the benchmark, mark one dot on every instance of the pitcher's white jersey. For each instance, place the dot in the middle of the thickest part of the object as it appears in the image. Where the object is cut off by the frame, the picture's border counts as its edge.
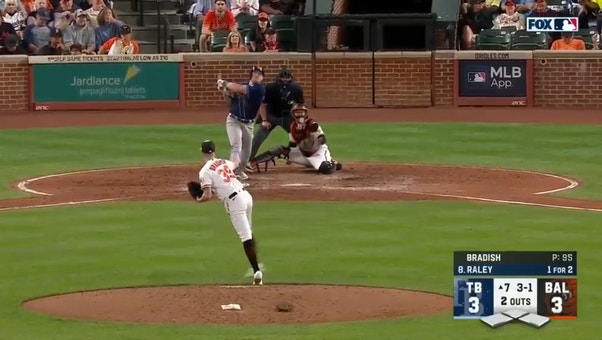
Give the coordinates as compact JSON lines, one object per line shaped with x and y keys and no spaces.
{"x":306,"y":140}
{"x":219,"y":175}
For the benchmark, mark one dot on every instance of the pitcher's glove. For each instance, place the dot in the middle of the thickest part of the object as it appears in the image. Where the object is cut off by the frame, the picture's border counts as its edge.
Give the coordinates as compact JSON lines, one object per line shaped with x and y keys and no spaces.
{"x":195,"y":190}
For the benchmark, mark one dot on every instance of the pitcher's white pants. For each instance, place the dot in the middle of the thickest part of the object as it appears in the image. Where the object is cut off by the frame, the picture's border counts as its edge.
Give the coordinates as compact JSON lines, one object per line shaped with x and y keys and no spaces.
{"x":240,"y":210}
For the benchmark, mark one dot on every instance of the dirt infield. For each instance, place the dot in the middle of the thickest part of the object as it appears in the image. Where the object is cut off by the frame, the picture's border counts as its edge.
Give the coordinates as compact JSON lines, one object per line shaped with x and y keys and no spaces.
{"x":393,"y":182}
{"x":202,"y":304}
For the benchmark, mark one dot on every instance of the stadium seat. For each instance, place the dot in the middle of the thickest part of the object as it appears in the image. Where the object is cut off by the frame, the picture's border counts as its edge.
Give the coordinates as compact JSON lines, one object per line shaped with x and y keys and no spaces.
{"x":586,"y":36}
{"x":493,"y":40}
{"x":246,"y":21}
{"x":282,"y":22}
{"x":218,"y":40}
{"x":524,"y":40}
{"x":287,"y":39}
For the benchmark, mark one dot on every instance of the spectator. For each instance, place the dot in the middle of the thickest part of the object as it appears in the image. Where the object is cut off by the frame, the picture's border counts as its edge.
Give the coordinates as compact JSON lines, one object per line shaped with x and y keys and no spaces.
{"x":55,"y":46}
{"x":256,"y":36}
{"x":199,"y":11}
{"x":472,"y":23}
{"x":76,"y":49}
{"x":94,"y":10}
{"x":121,"y":45}
{"x":32,"y":9}
{"x":234,"y":44}
{"x":568,"y":42}
{"x":81,"y":32}
{"x":589,"y":12}
{"x":108,"y":26}
{"x":510,"y":18}
{"x":38,"y":35}
{"x":218,"y":19}
{"x":271,"y":40}
{"x":12,"y":46}
{"x":15,"y":16}
{"x":283,"y":7}
{"x":245,"y":7}
{"x":541,"y":10}
{"x":521,"y":6}
{"x":6,"y":29}
{"x":64,"y":14}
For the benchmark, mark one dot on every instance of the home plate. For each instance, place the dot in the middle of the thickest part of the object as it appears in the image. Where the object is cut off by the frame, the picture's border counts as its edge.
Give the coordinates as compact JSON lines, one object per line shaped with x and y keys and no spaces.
{"x":296,"y":185}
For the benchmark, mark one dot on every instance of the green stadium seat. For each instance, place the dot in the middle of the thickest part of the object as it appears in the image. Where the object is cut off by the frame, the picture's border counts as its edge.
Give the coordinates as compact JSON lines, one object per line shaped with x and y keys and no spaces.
{"x":493,"y":40}
{"x":586,"y":36}
{"x":282,"y":22}
{"x":524,"y":40}
{"x":287,"y":39}
{"x":246,"y":21}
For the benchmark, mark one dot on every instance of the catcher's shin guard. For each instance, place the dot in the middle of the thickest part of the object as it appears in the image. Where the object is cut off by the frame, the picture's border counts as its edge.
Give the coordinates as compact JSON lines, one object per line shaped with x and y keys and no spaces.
{"x":266,"y":157}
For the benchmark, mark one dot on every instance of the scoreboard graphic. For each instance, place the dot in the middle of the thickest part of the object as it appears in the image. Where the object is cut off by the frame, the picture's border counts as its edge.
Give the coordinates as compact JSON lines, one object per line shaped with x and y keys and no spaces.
{"x":533,"y":287}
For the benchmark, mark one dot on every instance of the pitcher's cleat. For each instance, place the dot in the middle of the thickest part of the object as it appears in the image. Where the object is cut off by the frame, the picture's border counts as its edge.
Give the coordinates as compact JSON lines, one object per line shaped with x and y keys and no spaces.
{"x":258,"y":278}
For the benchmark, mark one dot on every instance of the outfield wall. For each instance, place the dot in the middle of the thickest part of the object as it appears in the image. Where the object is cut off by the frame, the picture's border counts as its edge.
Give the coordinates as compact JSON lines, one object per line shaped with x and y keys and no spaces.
{"x":388,"y":79}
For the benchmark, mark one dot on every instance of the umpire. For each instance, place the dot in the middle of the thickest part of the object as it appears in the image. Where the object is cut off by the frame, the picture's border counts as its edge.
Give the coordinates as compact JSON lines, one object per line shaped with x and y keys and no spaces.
{"x":280,"y":96}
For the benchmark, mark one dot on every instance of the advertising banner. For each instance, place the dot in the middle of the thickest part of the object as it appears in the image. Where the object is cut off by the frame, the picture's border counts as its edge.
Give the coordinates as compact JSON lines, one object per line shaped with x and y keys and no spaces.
{"x":493,"y":79}
{"x":105,"y":82}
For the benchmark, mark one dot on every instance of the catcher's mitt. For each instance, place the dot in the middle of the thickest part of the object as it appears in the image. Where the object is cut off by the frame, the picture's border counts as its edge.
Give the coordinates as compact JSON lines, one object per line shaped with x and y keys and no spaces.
{"x":195,"y":190}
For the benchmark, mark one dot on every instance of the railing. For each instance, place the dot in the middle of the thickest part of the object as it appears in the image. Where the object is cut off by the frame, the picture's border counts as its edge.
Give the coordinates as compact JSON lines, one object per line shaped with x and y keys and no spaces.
{"x":372,"y":28}
{"x":167,"y":33}
{"x":138,"y":7}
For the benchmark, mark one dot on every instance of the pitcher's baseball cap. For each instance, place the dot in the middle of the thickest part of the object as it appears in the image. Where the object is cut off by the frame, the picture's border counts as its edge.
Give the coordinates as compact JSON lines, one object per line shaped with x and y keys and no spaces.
{"x":208,"y":146}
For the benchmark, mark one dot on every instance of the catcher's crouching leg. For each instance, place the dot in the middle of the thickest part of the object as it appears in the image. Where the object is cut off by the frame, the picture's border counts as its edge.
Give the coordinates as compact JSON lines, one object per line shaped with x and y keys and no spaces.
{"x":268,"y":156}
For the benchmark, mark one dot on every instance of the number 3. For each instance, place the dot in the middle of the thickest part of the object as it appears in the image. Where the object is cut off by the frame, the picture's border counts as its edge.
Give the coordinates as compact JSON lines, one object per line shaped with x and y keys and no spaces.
{"x":557,"y":305}
{"x":226,"y":173}
{"x":474,"y":305}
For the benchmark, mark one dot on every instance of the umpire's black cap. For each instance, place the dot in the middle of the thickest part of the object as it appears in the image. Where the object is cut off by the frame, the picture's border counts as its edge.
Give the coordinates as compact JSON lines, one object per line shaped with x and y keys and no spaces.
{"x":208,"y":146}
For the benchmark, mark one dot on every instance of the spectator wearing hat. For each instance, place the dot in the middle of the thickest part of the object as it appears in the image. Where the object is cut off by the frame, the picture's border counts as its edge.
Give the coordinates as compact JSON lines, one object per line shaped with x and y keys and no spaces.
{"x":55,"y":46}
{"x":520,"y":6}
{"x":81,"y":32}
{"x":271,"y":40}
{"x":12,"y":46}
{"x":108,"y":26}
{"x":64,"y":15}
{"x":568,"y":42}
{"x":510,"y":17}
{"x":121,"y":45}
{"x":256,"y":36}
{"x":38,"y":34}
{"x":6,"y":29}
{"x":32,"y":10}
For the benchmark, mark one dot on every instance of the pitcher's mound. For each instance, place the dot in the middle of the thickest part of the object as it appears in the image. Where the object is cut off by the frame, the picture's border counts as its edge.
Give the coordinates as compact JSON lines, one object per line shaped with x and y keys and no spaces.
{"x":202,"y":304}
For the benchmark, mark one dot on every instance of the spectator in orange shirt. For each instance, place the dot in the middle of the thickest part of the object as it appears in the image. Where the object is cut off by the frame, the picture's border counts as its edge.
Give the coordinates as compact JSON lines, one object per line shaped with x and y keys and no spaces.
{"x":218,"y":19}
{"x":568,"y":42}
{"x":121,"y":45}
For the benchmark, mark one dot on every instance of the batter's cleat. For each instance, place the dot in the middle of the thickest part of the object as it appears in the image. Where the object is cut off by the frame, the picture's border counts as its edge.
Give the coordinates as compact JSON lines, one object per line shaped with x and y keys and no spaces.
{"x":242,"y":176}
{"x":258,"y":278}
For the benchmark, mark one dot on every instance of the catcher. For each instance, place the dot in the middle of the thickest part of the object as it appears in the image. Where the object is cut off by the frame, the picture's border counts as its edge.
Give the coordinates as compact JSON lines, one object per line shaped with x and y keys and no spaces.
{"x":307,"y":145}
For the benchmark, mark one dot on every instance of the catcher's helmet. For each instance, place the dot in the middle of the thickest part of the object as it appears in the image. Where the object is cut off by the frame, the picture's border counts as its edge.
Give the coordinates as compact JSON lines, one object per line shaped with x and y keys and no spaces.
{"x":208,"y":147}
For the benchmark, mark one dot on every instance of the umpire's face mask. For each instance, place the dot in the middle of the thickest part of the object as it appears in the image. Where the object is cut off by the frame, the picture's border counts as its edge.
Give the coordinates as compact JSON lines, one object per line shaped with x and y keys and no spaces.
{"x":286,"y":80}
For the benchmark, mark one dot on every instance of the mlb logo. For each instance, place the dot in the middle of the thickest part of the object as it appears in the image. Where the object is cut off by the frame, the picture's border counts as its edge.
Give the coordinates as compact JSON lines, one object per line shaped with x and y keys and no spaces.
{"x":477,"y":77}
{"x":566,"y":24}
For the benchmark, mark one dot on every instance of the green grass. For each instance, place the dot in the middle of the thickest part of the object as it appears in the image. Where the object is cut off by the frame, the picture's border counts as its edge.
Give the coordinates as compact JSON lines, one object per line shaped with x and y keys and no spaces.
{"x":406,"y":245}
{"x":113,"y":245}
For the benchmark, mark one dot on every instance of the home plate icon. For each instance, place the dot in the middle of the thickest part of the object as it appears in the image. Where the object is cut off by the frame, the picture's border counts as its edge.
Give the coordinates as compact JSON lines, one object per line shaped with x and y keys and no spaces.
{"x":531,"y":319}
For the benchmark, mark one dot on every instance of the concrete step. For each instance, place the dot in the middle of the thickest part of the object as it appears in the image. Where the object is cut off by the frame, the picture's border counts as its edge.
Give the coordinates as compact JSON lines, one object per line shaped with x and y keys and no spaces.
{"x":180,"y":45}
{"x":150,"y":18}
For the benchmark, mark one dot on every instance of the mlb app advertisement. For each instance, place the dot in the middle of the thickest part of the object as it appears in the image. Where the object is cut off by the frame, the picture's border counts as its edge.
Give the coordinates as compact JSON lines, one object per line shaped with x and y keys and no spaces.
{"x":493,"y":78}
